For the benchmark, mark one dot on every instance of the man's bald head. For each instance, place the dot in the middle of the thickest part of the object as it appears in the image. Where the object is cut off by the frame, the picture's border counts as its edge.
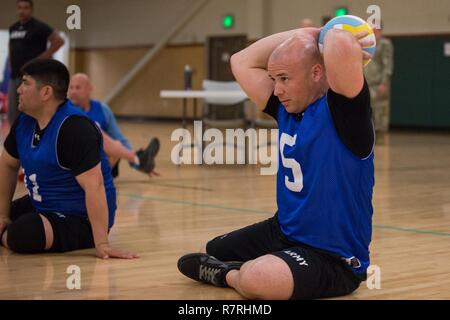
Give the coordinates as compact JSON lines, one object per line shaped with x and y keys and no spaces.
{"x":80,"y":90}
{"x":296,"y":66}
{"x":306,"y":23}
{"x":82,"y":78}
{"x":301,"y":50}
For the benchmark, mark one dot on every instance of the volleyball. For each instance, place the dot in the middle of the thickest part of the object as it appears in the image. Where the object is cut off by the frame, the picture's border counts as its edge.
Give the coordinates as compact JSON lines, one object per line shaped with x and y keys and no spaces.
{"x":351,"y":24}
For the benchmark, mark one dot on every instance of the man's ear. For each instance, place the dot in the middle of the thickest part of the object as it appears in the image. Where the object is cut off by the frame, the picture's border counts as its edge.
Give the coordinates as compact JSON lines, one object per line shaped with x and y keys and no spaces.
{"x":317,"y":72}
{"x":46,"y":93}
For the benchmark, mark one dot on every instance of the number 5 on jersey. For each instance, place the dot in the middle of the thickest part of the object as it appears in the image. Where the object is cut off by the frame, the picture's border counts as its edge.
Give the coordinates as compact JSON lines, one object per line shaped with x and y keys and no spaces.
{"x":289,"y":163}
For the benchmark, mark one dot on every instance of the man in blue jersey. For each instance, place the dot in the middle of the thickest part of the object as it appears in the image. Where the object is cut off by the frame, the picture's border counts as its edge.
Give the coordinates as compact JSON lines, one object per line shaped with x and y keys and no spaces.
{"x":115,"y":144}
{"x":71,"y":199}
{"x":317,"y":244}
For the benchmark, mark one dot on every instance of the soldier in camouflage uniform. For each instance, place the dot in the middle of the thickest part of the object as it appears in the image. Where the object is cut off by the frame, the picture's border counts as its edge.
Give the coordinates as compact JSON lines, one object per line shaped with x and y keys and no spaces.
{"x":378,"y":74}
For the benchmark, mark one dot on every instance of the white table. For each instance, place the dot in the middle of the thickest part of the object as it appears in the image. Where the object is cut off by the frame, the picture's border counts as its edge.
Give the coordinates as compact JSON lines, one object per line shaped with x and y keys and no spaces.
{"x":199,"y":94}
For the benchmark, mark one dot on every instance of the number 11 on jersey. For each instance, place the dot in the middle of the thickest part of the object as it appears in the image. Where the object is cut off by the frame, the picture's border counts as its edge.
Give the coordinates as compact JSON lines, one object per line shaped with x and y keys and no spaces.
{"x":36,"y":196}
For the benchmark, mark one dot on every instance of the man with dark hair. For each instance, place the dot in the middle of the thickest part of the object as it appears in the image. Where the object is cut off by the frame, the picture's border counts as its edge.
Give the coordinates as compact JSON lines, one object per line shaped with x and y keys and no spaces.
{"x":27,"y":40}
{"x":71,"y":199}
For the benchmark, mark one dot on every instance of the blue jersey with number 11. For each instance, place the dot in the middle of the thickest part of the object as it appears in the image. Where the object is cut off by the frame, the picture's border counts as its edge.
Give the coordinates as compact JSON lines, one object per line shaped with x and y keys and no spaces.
{"x":52,"y":187}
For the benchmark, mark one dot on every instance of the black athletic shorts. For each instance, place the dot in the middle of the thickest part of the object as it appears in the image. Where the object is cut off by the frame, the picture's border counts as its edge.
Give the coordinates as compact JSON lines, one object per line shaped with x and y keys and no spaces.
{"x":317,"y":274}
{"x":70,"y":232}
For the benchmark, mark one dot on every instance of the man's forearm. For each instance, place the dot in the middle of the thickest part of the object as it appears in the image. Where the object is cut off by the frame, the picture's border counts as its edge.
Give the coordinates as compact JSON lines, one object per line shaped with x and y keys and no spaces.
{"x":257,"y":54}
{"x":97,"y":209}
{"x":115,"y":149}
{"x":47,"y":54}
{"x":343,"y":55}
{"x":56,"y":42}
{"x":249,"y":66}
{"x":8,"y":180}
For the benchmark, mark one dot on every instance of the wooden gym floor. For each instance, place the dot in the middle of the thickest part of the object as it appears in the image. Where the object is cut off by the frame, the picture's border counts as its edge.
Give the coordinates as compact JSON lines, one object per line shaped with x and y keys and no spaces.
{"x":162,"y":218}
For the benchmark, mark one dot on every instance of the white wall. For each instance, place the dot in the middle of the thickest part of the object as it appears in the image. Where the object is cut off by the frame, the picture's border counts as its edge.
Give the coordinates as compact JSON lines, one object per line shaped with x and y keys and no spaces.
{"x":63,"y":54}
{"x":3,"y":51}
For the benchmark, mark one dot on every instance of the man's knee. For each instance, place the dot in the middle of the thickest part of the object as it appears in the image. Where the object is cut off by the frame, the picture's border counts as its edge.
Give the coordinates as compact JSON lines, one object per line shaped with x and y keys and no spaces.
{"x":21,"y":207}
{"x":29,"y":234}
{"x":249,"y":279}
{"x":267,"y":277}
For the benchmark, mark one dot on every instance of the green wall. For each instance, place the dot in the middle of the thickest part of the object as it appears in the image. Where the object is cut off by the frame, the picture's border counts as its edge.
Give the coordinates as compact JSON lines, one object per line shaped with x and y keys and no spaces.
{"x":421,"y":82}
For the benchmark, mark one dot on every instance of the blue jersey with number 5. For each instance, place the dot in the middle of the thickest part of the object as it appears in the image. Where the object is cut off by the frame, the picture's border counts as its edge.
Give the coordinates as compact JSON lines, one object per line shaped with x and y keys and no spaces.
{"x":324,"y":191}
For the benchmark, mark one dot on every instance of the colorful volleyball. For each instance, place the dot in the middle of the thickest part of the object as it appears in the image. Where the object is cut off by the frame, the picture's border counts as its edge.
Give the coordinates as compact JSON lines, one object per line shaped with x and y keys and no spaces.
{"x":351,"y":24}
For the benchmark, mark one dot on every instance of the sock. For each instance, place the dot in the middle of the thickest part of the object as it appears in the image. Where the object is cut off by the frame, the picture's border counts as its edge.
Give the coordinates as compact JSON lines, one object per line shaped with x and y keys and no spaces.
{"x":224,"y":280}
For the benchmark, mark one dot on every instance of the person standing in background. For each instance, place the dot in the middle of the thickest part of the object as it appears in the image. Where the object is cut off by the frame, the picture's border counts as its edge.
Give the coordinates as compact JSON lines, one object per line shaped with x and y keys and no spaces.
{"x":378,"y":74}
{"x":28,"y":39}
{"x":306,"y":23}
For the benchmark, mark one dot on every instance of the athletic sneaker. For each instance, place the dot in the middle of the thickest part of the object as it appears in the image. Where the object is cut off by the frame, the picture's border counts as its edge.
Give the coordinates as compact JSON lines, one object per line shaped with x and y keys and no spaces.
{"x":205,"y":268}
{"x":115,"y":170}
{"x":147,"y":156}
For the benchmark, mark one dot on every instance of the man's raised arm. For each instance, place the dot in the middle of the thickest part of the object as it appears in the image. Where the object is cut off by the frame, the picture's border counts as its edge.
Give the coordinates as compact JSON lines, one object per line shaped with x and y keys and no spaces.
{"x":343,"y":58}
{"x":249,"y":66}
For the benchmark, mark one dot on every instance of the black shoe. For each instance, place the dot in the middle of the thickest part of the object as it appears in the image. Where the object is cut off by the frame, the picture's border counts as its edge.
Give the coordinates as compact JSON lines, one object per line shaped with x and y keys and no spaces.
{"x":115,"y":170}
{"x":147,"y":156}
{"x":205,"y":268}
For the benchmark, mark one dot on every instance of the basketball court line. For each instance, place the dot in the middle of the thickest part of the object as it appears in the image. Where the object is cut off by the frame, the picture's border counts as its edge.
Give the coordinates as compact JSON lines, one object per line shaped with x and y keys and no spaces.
{"x":214,"y":206}
{"x":158,"y":184}
{"x":194,"y":204}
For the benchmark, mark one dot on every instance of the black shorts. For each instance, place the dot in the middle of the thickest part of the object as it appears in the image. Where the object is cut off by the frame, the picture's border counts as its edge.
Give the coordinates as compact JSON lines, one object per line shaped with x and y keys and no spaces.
{"x":317,"y":274}
{"x":70,"y":232}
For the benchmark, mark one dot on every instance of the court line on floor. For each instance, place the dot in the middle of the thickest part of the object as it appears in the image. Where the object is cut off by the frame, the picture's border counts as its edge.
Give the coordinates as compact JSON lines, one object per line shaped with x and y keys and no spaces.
{"x":194,"y":204}
{"x":158,"y":184}
{"x":214,"y":206}
{"x":435,"y":233}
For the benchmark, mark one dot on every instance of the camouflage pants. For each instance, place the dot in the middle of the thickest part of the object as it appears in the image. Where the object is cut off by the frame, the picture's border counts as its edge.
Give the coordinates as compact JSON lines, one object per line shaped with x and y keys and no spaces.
{"x":381,"y":110}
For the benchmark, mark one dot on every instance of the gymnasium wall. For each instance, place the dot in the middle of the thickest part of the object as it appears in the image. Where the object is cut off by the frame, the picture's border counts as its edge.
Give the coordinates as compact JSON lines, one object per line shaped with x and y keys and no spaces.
{"x":399,"y":16}
{"x":141,"y":97}
{"x":51,"y":11}
{"x":421,"y":82}
{"x":116,"y":33}
{"x":113,"y":23}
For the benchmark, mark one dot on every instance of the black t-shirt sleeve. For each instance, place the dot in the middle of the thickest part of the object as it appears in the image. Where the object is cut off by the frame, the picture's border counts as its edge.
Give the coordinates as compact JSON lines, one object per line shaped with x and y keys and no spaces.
{"x":79,"y":143}
{"x":10,"y":144}
{"x":353,"y":120}
{"x":44,"y":29}
{"x":272,"y":107}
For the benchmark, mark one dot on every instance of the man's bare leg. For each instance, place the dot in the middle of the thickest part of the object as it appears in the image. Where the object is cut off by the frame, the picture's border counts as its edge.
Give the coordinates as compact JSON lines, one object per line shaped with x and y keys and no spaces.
{"x":114,"y":149}
{"x":267,"y":277}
